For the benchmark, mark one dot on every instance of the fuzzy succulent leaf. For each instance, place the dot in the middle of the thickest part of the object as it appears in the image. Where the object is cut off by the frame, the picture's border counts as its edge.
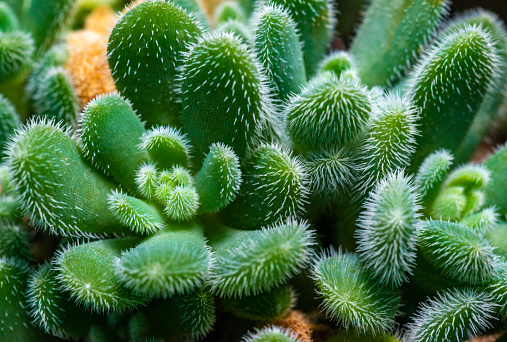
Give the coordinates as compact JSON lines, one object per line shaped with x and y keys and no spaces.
{"x":45,"y":300}
{"x":166,"y":146}
{"x":271,"y":334}
{"x":338,"y":62}
{"x":8,"y":20}
{"x":173,"y":261}
{"x":55,"y":57}
{"x":351,"y":297}
{"x":176,"y":176}
{"x":314,"y":20}
{"x":228,"y":11}
{"x":6,"y":186}
{"x":237,"y":28}
{"x":145,"y":51}
{"x":431,"y":175}
{"x":475,"y":201}
{"x":56,"y":97}
{"x":390,"y":141}
{"x":450,"y":203}
{"x":251,"y":262}
{"x":14,"y":242}
{"x":458,"y":252}
{"x":352,"y":336}
{"x":45,"y":19}
{"x":147,"y":180}
{"x":10,"y":210}
{"x":279,"y":50}
{"x":88,"y":273}
{"x":482,"y":221}
{"x":51,"y":308}
{"x":140,"y":216}
{"x":16,"y":50}
{"x":274,"y":189}
{"x":15,"y":323}
{"x":496,"y":164}
{"x":16,"y":5}
{"x":338,"y":109}
{"x":498,"y":289}
{"x":223,"y":95}
{"x":468,"y":57}
{"x":198,"y":316}
{"x":55,"y":183}
{"x":461,"y":193}
{"x":193,"y":8}
{"x":181,"y":201}
{"x":495,"y":94}
{"x":498,"y":238}
{"x":219,"y":179}
{"x":387,"y":229}
{"x":265,"y":306}
{"x":182,"y":317}
{"x":469,"y":176}
{"x":9,"y":121}
{"x":110,"y":134}
{"x":392,"y":34}
{"x":454,"y":315}
{"x":333,"y":173}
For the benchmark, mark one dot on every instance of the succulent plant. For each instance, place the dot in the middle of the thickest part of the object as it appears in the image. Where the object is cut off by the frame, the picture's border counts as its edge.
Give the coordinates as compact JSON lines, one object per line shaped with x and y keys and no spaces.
{"x":222,"y":174}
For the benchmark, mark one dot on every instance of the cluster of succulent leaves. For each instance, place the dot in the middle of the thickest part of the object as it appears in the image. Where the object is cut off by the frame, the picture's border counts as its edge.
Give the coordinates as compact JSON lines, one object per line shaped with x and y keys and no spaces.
{"x":242,"y":164}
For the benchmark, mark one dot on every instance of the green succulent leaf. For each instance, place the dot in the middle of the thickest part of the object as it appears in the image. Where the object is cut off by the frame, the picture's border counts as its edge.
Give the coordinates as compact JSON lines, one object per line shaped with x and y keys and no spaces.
{"x":279,"y":50}
{"x":88,"y":273}
{"x":490,"y":105}
{"x":16,"y":323}
{"x":52,"y":309}
{"x":314,"y":20}
{"x":147,"y":180}
{"x":173,"y":261}
{"x":14,"y":242}
{"x":140,"y":216}
{"x":219,"y":179}
{"x":236,"y":28}
{"x":9,"y":121}
{"x":338,"y":109}
{"x":271,"y":334}
{"x":453,"y":315}
{"x":224,"y":96}
{"x":188,"y":316}
{"x":55,"y":183}
{"x":338,"y":62}
{"x":228,"y":11}
{"x":274,"y":188}
{"x":45,"y":19}
{"x":351,"y":297}
{"x":145,"y":51}
{"x":482,"y":221}
{"x":390,"y":141}
{"x":431,"y":175}
{"x":110,"y":134}
{"x":387,"y":233}
{"x":458,"y":252}
{"x":392,"y":34}
{"x":496,"y":164}
{"x":166,"y":146}
{"x":56,"y":97}
{"x":8,"y":20}
{"x":448,"y":107}
{"x":16,"y":50}
{"x":251,"y":262}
